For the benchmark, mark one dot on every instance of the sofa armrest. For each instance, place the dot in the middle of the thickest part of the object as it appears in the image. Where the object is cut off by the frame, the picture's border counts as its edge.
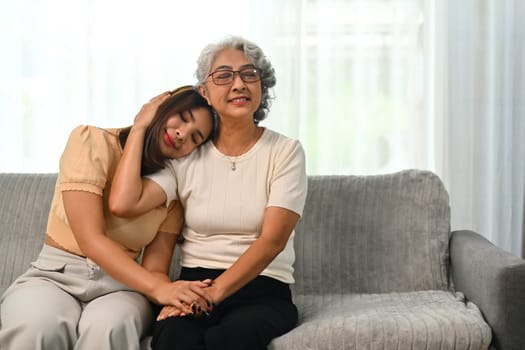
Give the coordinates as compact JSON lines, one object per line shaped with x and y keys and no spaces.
{"x":494,"y":280}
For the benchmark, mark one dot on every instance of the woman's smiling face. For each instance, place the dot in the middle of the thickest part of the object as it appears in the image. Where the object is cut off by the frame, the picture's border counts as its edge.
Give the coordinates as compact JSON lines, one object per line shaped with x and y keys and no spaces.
{"x":238,"y":98}
{"x":185,"y":131}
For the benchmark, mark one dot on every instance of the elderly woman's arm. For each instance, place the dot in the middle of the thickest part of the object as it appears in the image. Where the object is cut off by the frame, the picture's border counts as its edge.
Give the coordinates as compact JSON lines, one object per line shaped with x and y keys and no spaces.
{"x":278,"y":224}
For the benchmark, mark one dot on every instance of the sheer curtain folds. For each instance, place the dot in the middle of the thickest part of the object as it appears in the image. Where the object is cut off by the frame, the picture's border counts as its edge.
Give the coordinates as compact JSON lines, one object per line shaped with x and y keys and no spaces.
{"x":481,"y":141}
{"x":351,"y":82}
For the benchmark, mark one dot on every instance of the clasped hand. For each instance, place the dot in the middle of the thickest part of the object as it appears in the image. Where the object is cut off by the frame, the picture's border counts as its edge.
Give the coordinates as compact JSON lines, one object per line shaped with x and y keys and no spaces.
{"x":185,"y":298}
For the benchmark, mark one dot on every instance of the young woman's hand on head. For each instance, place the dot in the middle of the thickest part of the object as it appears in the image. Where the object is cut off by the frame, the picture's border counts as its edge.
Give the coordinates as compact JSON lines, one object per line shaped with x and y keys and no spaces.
{"x":145,"y":116}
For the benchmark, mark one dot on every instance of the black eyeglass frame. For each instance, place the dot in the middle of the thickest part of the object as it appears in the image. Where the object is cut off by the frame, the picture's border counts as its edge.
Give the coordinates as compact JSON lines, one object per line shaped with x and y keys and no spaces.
{"x":243,"y":78}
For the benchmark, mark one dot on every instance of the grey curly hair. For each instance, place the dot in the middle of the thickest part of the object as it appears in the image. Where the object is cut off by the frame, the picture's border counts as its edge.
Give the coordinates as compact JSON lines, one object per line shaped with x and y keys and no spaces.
{"x":254,"y":54}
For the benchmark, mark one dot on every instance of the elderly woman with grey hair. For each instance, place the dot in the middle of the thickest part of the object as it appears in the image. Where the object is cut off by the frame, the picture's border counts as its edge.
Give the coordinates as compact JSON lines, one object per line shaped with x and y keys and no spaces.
{"x":243,"y":194}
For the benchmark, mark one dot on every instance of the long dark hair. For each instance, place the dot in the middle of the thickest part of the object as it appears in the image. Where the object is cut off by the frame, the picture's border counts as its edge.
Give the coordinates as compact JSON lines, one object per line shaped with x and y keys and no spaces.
{"x":181,"y":99}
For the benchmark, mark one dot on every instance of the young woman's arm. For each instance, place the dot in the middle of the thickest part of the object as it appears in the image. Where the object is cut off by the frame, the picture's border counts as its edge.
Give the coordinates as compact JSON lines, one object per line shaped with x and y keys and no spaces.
{"x":84,"y":212}
{"x":157,"y":255}
{"x":132,"y":195}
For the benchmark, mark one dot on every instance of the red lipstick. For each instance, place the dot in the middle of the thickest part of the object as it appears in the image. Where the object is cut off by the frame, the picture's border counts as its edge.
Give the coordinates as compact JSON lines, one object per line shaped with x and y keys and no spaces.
{"x":168,"y":140}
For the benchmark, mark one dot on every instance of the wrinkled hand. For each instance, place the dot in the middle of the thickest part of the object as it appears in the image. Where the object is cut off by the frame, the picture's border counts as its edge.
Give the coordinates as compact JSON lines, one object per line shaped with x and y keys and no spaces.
{"x":145,"y":116}
{"x":215,"y":293}
{"x":183,"y":298}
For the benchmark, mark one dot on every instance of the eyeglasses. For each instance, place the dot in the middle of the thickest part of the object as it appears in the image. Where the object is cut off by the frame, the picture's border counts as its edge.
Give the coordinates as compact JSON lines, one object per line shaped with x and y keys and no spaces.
{"x":225,"y":77}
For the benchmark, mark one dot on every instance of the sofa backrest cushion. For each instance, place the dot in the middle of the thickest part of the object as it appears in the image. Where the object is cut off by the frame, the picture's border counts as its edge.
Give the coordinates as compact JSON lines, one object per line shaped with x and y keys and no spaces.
{"x":25,"y":200}
{"x":373,"y":234}
{"x":378,"y":233}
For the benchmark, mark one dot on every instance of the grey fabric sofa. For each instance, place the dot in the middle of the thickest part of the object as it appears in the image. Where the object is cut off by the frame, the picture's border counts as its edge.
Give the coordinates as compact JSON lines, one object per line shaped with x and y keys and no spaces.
{"x":376,"y":265}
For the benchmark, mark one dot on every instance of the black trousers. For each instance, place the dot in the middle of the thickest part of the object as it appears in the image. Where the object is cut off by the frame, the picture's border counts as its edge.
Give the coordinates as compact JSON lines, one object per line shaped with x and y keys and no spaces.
{"x":247,"y":320}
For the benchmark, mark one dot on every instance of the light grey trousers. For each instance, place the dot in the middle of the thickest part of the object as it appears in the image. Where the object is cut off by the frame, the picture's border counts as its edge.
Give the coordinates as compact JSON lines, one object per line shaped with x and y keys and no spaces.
{"x":67,"y":302}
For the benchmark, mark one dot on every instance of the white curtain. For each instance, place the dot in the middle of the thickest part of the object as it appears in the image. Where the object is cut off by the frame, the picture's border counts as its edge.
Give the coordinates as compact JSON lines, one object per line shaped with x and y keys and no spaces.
{"x":96,"y":62}
{"x":351,"y":81}
{"x":368,"y":86}
{"x":480,"y":120}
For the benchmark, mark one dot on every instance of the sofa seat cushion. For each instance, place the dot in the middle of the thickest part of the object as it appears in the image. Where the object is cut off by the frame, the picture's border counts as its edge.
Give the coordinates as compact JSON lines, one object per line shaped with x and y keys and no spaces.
{"x":411,"y":320}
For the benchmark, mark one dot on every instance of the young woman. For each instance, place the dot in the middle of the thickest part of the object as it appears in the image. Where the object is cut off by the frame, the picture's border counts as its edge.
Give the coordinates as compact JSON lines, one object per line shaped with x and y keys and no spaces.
{"x":86,"y":289}
{"x":242,"y":194}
